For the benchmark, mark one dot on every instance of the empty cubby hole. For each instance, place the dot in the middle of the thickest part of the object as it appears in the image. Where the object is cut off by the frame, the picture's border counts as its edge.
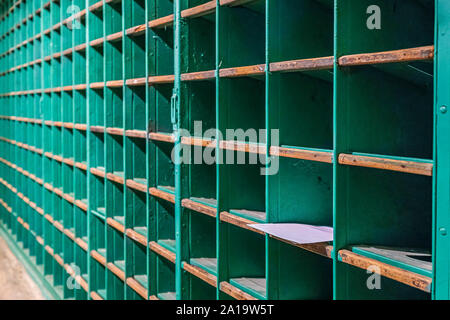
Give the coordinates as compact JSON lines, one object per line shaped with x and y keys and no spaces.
{"x":137,"y":253}
{"x":199,"y":38}
{"x":95,"y":18}
{"x":113,"y":17}
{"x":385,"y":210}
{"x":114,"y":107}
{"x":98,"y":235}
{"x":56,"y":75}
{"x":397,"y":120}
{"x":113,"y":64}
{"x":200,"y":290}
{"x":202,"y":243}
{"x":242,"y":35}
{"x":96,"y":108}
{"x":80,"y":146}
{"x":135,"y":56}
{"x":165,"y":284}
{"x":300,"y":29}
{"x":80,"y":106}
{"x":81,"y":257}
{"x":55,"y":41}
{"x":402,"y":24}
{"x":98,"y":150}
{"x":67,"y":106}
{"x":115,"y":155}
{"x":79,"y":25}
{"x":95,"y":64}
{"x":114,"y":201}
{"x":67,"y":179}
{"x":301,"y":109}
{"x":115,"y":253}
{"x":79,"y":59}
{"x":98,"y":278}
{"x":80,"y":223}
{"x":300,"y":274}
{"x":246,"y":267}
{"x":66,"y":34}
{"x":47,"y":80}
{"x":302,"y":192}
{"x":80,"y":185}
{"x":136,"y":211}
{"x":97,"y":200}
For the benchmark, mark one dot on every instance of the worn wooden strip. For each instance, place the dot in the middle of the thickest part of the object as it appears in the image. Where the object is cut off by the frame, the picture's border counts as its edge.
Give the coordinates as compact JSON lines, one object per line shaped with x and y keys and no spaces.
{"x":81,"y":165}
{"x":164,"y":137}
{"x":162,"y":194}
{"x":115,"y":131}
{"x":193,"y":141}
{"x":117,"y":271}
{"x":40,"y":240}
{"x":136,"y":133}
{"x":198,"y":76}
{"x":115,"y":36}
{"x":243,"y":146}
{"x":116,"y":225}
{"x":96,"y":42}
{"x":161,"y":79}
{"x":394,"y":56}
{"x":169,"y":255}
{"x":95,"y":296}
{"x":238,"y":221}
{"x":136,"y":82}
{"x":136,"y":286}
{"x":58,"y":259}
{"x":97,"y":85}
{"x":232,"y":3}
{"x":114,"y":84}
{"x":70,"y":234}
{"x":98,"y":129}
{"x":322,"y":63}
{"x":409,"y":278}
{"x":136,"y":185}
{"x":115,"y":178}
{"x":80,"y":204}
{"x":80,"y":126}
{"x":136,"y":30}
{"x":421,"y":168}
{"x":97,"y":256}
{"x":312,"y":155}
{"x":98,"y":172}
{"x":235,"y":292}
{"x":161,"y":22}
{"x":247,"y":71}
{"x":136,"y":237}
{"x":80,"y":242}
{"x":201,"y":274}
{"x":200,"y":10}
{"x":199,"y":207}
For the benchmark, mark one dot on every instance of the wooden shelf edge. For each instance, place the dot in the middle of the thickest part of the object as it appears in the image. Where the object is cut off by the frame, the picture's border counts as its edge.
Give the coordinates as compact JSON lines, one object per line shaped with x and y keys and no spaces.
{"x":420,"y":168}
{"x":406,"y":277}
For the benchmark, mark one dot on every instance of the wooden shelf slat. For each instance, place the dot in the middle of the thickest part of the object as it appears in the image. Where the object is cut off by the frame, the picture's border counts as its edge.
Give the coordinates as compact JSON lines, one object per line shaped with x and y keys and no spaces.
{"x":394,"y":56}
{"x":409,"y":278}
{"x":421,"y":168}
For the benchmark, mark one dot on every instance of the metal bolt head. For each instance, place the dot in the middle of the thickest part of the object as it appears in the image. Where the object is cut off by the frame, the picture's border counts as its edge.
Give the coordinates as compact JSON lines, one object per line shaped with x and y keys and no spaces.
{"x":443,"y":109}
{"x":443,"y":231}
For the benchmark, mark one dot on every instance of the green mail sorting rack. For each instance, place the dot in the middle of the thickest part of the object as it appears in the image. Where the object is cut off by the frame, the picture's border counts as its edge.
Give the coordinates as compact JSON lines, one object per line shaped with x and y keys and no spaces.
{"x":95,"y":96}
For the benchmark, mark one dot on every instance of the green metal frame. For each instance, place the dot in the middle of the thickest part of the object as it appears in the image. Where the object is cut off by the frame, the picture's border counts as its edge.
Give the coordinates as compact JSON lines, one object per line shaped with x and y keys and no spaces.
{"x":90,"y":116}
